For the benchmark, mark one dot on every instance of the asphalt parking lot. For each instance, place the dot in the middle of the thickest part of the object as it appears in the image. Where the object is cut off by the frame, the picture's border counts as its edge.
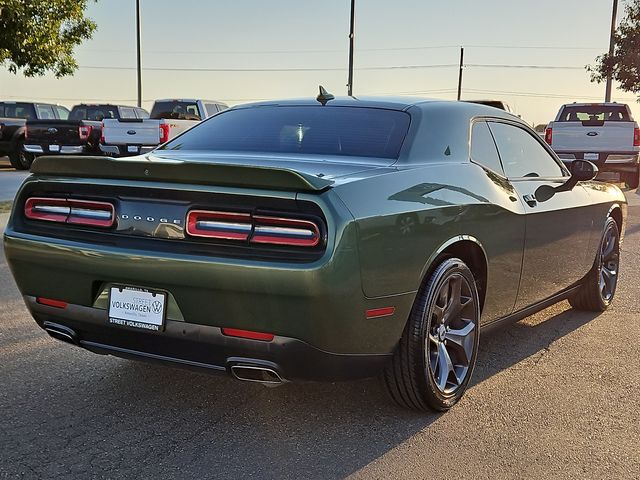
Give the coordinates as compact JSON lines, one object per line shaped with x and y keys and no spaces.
{"x":553,"y":396}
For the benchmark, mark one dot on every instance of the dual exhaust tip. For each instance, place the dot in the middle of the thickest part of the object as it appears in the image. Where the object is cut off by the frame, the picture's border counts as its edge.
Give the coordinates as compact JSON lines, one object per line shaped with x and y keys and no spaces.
{"x":256,"y":373}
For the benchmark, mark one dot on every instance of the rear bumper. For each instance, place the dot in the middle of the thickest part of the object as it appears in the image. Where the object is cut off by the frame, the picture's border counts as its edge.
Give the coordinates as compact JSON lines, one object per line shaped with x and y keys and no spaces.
{"x":64,"y":149}
{"x":606,"y":161}
{"x":122,"y":151}
{"x":203,"y":347}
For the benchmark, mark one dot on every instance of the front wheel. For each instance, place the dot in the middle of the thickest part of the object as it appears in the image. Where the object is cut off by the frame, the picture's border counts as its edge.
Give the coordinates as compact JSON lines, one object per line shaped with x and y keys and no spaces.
{"x":599,"y":287}
{"x":433,"y":363}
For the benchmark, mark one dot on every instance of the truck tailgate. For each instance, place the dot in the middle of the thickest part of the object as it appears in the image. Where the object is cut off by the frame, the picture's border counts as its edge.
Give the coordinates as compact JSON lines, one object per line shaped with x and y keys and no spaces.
{"x":609,"y":137}
{"x":131,"y":132}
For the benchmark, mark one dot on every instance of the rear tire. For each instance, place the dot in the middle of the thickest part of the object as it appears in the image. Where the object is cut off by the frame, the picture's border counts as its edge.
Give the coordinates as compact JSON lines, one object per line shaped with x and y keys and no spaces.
{"x":434,"y":360}
{"x":632,"y":179}
{"x":599,"y":287}
{"x":19,"y":159}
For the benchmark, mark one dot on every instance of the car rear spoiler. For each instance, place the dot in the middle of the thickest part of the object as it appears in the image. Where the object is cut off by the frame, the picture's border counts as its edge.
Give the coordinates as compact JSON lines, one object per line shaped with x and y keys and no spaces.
{"x":179,"y":172}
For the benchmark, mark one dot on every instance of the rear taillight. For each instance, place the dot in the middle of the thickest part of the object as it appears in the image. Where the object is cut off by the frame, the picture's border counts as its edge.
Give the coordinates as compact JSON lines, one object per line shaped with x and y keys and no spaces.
{"x":285,"y":231}
{"x":220,"y":225}
{"x":636,"y":137}
{"x":76,"y":212}
{"x":548,"y":135}
{"x":84,"y":131}
{"x":164,"y":132}
{"x":262,"y":229}
{"x":102,"y":133}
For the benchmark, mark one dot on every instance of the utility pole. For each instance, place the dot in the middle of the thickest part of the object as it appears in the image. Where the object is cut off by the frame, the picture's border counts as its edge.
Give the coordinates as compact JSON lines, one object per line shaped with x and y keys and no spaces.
{"x":460,"y":73}
{"x":351,"y":41}
{"x":138,"y":53}
{"x":614,"y":15}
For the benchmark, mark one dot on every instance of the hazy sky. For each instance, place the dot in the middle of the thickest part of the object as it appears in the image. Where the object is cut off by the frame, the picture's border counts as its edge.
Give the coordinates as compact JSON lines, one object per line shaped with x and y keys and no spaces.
{"x":299,"y":35}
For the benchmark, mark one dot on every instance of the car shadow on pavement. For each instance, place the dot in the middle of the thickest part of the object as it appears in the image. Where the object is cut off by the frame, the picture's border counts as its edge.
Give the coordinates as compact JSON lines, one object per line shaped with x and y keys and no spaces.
{"x":310,"y":430}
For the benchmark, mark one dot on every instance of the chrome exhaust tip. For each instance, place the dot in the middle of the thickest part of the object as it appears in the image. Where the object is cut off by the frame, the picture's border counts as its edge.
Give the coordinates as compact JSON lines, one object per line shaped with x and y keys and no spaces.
{"x":257,"y":374}
{"x":60,"y":332}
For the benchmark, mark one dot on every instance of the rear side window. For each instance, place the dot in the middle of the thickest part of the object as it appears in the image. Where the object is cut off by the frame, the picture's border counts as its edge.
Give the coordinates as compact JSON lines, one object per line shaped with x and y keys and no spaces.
{"x":62,"y":112}
{"x":45,"y":112}
{"x":483,"y":148}
{"x":595,"y":113}
{"x":319,"y":130}
{"x":523,"y":155}
{"x":175,"y":109}
{"x":127,"y":112}
{"x":95,"y":113}
{"x":212,"y":108}
{"x":19,"y":110}
{"x":142,"y":113}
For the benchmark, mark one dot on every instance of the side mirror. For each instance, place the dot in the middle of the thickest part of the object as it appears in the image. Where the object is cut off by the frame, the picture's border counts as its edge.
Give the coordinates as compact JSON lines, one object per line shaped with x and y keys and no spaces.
{"x":581,"y":170}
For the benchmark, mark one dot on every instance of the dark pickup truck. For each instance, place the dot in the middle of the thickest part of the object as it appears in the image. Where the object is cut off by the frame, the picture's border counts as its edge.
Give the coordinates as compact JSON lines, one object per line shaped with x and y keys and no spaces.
{"x":13,"y":119}
{"x":80,"y":134}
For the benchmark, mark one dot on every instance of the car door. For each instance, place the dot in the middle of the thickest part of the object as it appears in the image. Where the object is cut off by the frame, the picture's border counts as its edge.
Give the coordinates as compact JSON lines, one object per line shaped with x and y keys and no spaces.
{"x":558,"y":227}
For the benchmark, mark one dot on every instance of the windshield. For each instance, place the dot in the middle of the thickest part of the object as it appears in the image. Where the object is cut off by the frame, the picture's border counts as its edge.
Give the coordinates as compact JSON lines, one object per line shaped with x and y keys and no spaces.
{"x":597,"y":113}
{"x":18,"y":110}
{"x":93,"y":112}
{"x":176,"y":110}
{"x":320,"y":130}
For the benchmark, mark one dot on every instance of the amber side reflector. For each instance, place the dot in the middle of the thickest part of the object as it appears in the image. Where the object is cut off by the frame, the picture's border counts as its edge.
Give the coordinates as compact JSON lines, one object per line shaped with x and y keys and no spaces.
{"x":380,"y":312}
{"x":49,"y":302}
{"x":234,"y":332}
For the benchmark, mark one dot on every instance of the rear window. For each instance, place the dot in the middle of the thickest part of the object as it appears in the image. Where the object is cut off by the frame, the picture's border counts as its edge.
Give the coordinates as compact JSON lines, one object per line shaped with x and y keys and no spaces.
{"x":177,"y":110}
{"x":595,"y":113}
{"x":320,"y":130}
{"x":91,"y":112}
{"x":18,"y":110}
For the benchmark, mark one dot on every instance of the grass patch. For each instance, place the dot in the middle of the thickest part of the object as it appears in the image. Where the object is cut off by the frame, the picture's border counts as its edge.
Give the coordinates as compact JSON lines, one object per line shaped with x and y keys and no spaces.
{"x":5,"y":207}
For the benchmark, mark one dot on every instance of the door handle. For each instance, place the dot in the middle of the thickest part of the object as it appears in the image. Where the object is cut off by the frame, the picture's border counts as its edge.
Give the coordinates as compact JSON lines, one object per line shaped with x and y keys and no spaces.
{"x":531,"y":200}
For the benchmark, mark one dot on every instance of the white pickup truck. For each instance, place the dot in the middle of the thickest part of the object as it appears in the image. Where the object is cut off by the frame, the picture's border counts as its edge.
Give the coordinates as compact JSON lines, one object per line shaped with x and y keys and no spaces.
{"x":603,"y":133}
{"x":133,"y":136}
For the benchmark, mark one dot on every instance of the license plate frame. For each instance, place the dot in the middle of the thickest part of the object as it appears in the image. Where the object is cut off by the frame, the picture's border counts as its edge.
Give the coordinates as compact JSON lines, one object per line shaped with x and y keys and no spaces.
{"x":133,"y":148}
{"x":592,"y":156}
{"x":138,"y":308}
{"x":54,"y":148}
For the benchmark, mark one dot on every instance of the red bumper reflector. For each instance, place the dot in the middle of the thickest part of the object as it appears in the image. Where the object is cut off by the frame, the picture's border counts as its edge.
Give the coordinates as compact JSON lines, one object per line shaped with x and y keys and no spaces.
{"x":380,"y":312}
{"x":49,"y":302}
{"x":234,"y":332}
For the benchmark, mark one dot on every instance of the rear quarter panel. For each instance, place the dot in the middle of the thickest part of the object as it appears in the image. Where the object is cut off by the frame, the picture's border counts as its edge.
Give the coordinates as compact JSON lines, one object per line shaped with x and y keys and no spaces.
{"x":405,"y":218}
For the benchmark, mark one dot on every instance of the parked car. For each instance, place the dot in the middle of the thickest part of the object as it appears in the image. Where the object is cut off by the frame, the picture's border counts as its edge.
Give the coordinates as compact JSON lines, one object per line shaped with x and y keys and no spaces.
{"x":603,"y":133}
{"x":168,"y":118}
{"x":494,"y":103}
{"x":80,"y":133}
{"x":13,"y":117}
{"x":271,"y":243}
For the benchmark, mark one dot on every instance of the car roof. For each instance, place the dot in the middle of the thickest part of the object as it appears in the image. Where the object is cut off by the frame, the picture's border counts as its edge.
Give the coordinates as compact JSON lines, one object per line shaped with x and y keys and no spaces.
{"x":194,"y":100}
{"x":391,"y":103}
{"x":595,"y":104}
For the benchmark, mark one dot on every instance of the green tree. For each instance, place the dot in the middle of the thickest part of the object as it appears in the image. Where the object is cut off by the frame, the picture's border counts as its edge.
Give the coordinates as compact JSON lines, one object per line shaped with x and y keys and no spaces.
{"x":37,"y":36}
{"x":624,"y":64}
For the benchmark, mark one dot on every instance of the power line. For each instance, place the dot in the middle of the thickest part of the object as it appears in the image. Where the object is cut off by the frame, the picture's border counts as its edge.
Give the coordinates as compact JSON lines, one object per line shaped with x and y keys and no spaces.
{"x":333,"y":69}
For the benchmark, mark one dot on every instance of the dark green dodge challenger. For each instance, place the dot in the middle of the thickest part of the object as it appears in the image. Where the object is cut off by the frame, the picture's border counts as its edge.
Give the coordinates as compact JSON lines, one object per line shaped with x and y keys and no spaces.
{"x":320,"y":239}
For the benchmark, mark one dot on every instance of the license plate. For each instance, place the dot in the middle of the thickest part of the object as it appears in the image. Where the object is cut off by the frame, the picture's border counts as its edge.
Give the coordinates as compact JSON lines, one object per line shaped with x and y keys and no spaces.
{"x":137,"y":308}
{"x":132,"y":148}
{"x":591,"y":156}
{"x":54,"y":148}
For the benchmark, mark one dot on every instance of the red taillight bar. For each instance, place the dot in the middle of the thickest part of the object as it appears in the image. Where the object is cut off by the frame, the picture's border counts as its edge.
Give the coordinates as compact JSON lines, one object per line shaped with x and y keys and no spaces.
{"x":102,"y":132}
{"x":548,"y":135}
{"x":76,"y":212}
{"x":235,"y":332}
{"x":636,"y":137}
{"x":261,"y":229}
{"x":285,"y":231}
{"x":220,"y":225}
